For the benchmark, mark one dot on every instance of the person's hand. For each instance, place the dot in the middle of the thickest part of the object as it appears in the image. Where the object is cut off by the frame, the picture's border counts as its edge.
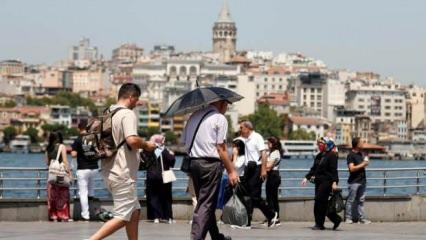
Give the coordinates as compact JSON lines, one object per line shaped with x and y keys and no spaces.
{"x":234,"y":151}
{"x":149,"y":146}
{"x":366,"y":163}
{"x":304,"y":182}
{"x":233,"y":178}
{"x":263,"y":173}
{"x":334,"y":187}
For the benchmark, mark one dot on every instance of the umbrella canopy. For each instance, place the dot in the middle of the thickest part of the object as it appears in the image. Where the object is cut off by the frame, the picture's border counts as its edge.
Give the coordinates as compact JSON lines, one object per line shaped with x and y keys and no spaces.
{"x":200,"y":98}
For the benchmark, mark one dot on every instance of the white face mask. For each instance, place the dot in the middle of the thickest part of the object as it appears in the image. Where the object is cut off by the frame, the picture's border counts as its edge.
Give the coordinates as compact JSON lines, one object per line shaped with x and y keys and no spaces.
{"x":158,"y":151}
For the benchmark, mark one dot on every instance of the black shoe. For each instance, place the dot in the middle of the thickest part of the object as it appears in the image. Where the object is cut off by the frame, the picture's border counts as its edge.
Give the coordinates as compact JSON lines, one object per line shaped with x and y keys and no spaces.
{"x":318,"y":227}
{"x":223,"y":237}
{"x":272,"y":222}
{"x":336,"y":224}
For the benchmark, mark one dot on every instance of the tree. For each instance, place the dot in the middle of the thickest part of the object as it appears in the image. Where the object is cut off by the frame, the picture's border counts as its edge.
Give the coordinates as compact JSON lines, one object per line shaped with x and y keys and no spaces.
{"x":171,"y":137}
{"x":231,"y":131}
{"x":301,"y":134}
{"x":9,"y":134}
{"x":148,"y":132}
{"x":66,"y":132}
{"x":33,"y":133}
{"x":9,"y":104}
{"x":266,"y":121}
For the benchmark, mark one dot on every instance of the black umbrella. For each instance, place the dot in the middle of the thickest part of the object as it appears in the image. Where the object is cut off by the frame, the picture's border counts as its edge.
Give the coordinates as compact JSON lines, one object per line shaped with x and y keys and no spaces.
{"x":200,"y":98}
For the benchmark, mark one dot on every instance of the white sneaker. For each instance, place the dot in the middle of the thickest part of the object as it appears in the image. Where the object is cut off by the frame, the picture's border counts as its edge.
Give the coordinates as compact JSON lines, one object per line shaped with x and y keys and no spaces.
{"x":190,"y":222}
{"x":349,"y":221}
{"x":171,"y":221}
{"x":273,"y":221}
{"x":364,"y":221}
{"x":240,"y":227}
{"x":220,"y":222}
{"x":156,"y":221}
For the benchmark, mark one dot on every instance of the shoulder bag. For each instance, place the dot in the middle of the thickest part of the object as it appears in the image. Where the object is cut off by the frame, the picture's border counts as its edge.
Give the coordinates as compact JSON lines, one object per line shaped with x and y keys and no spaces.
{"x":186,"y":162}
{"x":58,"y":174}
{"x":168,"y":175}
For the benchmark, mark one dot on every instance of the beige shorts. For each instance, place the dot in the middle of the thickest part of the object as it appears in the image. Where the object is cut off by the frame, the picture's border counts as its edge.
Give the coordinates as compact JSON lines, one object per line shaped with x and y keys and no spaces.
{"x":125,"y":198}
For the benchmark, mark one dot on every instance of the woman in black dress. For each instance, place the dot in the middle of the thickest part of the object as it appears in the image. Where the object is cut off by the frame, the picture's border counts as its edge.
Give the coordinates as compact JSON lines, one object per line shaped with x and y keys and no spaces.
{"x":324,"y":174}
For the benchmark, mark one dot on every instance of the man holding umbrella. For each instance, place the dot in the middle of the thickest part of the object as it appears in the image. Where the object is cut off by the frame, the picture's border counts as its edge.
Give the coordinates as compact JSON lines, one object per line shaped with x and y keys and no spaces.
{"x":204,"y":137}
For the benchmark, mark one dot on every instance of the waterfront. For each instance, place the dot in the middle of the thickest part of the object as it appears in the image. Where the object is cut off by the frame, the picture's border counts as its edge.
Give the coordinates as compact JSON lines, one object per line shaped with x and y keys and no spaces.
{"x":293,"y":173}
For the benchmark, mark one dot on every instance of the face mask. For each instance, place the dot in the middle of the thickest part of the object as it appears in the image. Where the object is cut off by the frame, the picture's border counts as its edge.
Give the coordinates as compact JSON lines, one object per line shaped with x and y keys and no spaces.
{"x":158,"y":151}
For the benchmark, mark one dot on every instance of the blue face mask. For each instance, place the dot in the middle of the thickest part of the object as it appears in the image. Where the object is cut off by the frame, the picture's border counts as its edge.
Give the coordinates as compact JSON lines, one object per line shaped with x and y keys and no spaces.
{"x":158,"y":151}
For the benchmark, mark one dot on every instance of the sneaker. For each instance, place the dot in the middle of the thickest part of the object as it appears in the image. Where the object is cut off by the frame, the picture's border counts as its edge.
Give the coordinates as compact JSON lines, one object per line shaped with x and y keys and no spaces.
{"x":240,"y":227}
{"x":220,"y":222}
{"x":171,"y":221}
{"x":318,"y":228}
{"x":190,"y":222}
{"x":223,"y":237}
{"x":273,"y":221}
{"x":156,"y":221}
{"x":336,"y":224}
{"x":349,"y":221}
{"x":364,"y":221}
{"x":278,"y":222}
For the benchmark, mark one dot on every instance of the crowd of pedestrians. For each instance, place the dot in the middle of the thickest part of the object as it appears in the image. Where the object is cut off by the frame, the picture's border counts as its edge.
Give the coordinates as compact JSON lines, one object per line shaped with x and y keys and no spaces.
{"x":215,"y":173}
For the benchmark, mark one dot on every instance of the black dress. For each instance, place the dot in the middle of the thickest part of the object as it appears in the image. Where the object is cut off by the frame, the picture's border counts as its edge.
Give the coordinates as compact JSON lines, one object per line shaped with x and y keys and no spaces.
{"x":159,"y":195}
{"x":325,"y":172}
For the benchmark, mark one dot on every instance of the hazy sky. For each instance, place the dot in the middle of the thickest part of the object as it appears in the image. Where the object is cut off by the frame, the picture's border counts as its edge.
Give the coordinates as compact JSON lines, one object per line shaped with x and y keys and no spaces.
{"x":385,"y":36}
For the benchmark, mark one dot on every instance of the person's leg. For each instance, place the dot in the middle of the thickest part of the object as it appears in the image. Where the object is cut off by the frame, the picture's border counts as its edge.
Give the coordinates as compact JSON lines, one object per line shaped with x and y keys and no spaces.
{"x":91,"y":182}
{"x":360,"y":201}
{"x":350,"y":201}
{"x":108,"y":228}
{"x":133,"y":225}
{"x":168,"y":201}
{"x":256,"y":195}
{"x":322,"y":193}
{"x":83,"y":182}
{"x":275,"y":189}
{"x":206,"y":179}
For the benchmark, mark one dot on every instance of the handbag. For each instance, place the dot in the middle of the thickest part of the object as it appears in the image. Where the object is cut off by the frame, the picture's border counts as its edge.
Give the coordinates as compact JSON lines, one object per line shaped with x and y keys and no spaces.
{"x":336,"y":203}
{"x":186,"y":161}
{"x":168,"y":175}
{"x":58,"y":174}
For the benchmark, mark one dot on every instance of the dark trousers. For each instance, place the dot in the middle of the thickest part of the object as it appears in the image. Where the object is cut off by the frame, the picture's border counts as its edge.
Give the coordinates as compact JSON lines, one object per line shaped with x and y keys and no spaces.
{"x":322,"y":193}
{"x":273,"y":182}
{"x":206,"y":176}
{"x":159,"y":199}
{"x":253,"y":185}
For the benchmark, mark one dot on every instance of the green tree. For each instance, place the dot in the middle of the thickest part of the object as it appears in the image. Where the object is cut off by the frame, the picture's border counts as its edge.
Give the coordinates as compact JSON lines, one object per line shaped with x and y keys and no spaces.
{"x":66,"y":132}
{"x":9,"y":104}
{"x":9,"y":134}
{"x":301,"y":134}
{"x":231,"y":131}
{"x":171,"y":137}
{"x":33,"y":133}
{"x":148,"y":132}
{"x":266,"y":121}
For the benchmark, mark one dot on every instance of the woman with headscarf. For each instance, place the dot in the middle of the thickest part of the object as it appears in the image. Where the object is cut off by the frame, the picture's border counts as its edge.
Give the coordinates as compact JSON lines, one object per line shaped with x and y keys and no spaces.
{"x":324,"y":174}
{"x":159,"y":194}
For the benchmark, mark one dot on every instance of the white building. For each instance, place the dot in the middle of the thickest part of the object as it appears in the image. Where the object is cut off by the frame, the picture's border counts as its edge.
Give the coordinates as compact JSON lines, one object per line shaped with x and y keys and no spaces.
{"x":267,"y":83}
{"x":319,"y":126}
{"x":60,"y":115}
{"x":83,"y":52}
{"x":311,"y":89}
{"x":415,"y":106}
{"x":381,"y":103}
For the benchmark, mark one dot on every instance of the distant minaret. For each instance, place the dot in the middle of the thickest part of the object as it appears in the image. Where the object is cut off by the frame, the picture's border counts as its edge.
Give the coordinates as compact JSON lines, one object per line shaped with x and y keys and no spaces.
{"x":224,"y":35}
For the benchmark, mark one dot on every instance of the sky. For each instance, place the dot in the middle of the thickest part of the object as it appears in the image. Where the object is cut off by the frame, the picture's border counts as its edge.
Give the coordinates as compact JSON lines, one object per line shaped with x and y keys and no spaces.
{"x":384,"y":36}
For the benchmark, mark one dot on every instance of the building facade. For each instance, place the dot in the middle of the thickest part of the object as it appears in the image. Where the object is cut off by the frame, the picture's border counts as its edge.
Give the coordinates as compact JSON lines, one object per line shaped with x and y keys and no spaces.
{"x":224,"y":35}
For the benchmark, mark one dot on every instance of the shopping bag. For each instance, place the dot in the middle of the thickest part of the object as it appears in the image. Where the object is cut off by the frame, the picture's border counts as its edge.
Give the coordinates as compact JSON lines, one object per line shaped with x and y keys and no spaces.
{"x":234,"y":212}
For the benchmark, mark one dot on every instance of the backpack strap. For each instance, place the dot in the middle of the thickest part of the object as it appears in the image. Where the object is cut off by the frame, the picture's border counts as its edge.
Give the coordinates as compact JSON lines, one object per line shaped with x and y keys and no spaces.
{"x":113,"y":112}
{"x":196,"y":130}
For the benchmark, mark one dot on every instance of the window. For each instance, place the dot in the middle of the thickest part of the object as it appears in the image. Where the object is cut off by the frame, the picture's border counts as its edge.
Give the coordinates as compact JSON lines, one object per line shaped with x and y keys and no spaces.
{"x":387,"y":114}
{"x":387,"y":107}
{"x":257,"y":86}
{"x":319,"y":97}
{"x":312,"y":97}
{"x":266,"y":79}
{"x":387,"y":100}
{"x":361,"y":100}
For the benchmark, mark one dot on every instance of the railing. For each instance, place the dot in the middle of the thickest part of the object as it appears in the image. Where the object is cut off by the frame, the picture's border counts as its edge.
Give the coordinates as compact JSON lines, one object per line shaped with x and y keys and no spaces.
{"x":21,"y":182}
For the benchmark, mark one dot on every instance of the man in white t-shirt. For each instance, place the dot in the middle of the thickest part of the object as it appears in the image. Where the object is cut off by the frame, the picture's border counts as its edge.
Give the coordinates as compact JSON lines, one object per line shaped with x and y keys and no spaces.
{"x":120,"y":171}
{"x":255,"y":171}
{"x":208,"y":156}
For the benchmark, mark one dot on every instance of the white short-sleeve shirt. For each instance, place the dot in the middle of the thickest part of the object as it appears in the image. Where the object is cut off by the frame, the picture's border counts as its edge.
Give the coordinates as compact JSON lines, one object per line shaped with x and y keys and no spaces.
{"x":255,"y":144}
{"x":275,"y":157}
{"x":212,"y":131}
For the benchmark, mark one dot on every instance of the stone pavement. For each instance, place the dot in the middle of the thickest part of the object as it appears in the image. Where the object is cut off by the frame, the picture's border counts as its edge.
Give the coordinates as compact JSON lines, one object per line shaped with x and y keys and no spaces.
{"x":180,"y":230}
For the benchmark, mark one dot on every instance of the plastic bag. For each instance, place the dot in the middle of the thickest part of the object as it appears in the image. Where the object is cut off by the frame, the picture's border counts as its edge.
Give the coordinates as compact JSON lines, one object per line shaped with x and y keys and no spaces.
{"x":234,"y":212}
{"x":336,"y":203}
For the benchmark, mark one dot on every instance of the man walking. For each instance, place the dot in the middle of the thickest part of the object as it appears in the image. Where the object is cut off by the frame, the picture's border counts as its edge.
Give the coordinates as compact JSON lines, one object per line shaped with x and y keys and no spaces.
{"x":208,"y":155}
{"x":86,"y":173}
{"x":357,"y":182}
{"x":120,"y":171}
{"x":255,"y":171}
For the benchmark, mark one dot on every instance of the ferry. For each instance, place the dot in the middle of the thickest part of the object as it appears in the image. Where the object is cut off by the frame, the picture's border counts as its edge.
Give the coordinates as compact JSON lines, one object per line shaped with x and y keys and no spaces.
{"x":21,"y":144}
{"x":299,"y":148}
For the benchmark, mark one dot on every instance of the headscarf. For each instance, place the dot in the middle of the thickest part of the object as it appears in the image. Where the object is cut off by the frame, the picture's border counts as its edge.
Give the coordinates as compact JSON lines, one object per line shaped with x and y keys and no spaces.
{"x":328,"y":142}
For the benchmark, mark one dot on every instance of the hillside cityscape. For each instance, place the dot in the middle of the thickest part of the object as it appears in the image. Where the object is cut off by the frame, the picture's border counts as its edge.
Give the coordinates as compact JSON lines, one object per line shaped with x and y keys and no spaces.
{"x":290,"y":95}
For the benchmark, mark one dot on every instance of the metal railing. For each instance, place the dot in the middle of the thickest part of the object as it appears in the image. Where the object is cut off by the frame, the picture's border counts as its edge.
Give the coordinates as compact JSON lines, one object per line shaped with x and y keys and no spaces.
{"x":381,"y":181}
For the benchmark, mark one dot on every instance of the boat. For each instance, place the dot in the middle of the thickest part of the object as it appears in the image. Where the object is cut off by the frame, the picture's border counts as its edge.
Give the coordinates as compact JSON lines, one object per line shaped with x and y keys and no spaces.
{"x":21,"y":144}
{"x":299,"y":148}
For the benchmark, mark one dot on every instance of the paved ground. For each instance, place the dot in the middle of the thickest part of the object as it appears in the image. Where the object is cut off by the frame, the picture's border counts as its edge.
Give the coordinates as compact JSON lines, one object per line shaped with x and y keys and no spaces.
{"x":180,"y":230}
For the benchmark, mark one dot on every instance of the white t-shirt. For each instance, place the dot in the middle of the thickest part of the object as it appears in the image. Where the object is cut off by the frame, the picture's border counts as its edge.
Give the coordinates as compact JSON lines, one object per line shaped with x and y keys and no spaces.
{"x":240,"y":165}
{"x":212,"y":132}
{"x":124,"y":166}
{"x":274,"y":157}
{"x":254,"y":145}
